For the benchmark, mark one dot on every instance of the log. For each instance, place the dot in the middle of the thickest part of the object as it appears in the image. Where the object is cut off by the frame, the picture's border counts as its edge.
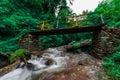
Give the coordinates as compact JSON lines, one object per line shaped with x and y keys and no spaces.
{"x":75,"y":45}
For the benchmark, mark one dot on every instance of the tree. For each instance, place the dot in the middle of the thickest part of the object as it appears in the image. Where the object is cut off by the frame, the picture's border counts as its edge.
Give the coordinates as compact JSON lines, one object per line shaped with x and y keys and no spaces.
{"x":20,"y":15}
{"x":111,"y":12}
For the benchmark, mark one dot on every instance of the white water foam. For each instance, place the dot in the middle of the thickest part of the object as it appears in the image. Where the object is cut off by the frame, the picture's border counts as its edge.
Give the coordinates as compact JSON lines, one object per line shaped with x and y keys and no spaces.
{"x":59,"y":63}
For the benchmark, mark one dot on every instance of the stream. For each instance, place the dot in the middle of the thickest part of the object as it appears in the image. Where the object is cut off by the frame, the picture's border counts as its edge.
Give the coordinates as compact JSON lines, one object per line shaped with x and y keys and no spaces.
{"x":51,"y":61}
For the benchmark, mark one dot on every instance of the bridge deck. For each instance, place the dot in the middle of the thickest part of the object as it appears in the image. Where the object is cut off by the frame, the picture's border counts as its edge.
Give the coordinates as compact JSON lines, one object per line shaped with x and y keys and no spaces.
{"x":68,"y":30}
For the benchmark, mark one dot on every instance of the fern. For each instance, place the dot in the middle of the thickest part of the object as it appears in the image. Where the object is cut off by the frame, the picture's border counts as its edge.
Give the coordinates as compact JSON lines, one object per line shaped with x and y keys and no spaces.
{"x":20,"y":53}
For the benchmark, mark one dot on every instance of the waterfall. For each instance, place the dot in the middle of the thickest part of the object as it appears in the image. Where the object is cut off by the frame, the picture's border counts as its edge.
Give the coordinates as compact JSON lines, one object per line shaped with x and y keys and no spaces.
{"x":51,"y":61}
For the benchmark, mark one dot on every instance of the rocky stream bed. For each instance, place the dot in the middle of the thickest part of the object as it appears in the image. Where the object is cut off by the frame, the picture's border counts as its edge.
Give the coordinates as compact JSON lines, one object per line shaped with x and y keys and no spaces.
{"x":80,"y":66}
{"x":60,"y":66}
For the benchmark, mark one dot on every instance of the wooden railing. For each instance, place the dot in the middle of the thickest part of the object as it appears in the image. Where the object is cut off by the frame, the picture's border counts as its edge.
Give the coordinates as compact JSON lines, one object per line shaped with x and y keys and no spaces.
{"x":76,"y":19}
{"x":43,"y":24}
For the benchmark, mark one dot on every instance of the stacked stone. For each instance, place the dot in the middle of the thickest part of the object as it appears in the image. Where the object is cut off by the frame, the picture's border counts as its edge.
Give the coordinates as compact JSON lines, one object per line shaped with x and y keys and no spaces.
{"x":115,"y":38}
{"x":102,"y":45}
{"x":30,"y":42}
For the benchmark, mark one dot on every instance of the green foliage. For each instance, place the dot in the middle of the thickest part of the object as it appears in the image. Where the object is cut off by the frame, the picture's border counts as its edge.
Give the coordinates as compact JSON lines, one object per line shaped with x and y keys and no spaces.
{"x":93,"y":19}
{"x":14,"y":17}
{"x":12,"y":58}
{"x":76,"y":37}
{"x":111,"y":12}
{"x":15,"y":22}
{"x":20,"y":15}
{"x":51,"y":41}
{"x":57,"y":40}
{"x":76,"y":45}
{"x":112,"y":66}
{"x":20,"y":52}
{"x":6,"y":7}
{"x":117,"y":48}
{"x":45,"y":5}
{"x":17,"y":54}
{"x":10,"y":44}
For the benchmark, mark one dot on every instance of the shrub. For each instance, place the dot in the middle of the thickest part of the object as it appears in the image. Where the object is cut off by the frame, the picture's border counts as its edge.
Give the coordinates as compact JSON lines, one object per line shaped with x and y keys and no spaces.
{"x":51,"y":41}
{"x":117,"y":48}
{"x":112,"y":66}
{"x":20,"y":53}
{"x":10,"y":44}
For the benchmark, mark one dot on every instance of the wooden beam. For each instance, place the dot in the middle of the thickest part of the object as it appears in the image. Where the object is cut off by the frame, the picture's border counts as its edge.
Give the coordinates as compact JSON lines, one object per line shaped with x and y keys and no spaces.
{"x":70,"y":30}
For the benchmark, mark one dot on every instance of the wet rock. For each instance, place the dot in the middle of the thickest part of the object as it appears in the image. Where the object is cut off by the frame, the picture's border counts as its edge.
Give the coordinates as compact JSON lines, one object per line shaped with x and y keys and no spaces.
{"x":43,"y":76}
{"x":4,"y":60}
{"x":37,"y":53}
{"x":49,"y":62}
{"x":30,"y":66}
{"x":3,"y":64}
{"x":73,"y":73}
{"x":84,"y":62}
{"x":88,"y":64}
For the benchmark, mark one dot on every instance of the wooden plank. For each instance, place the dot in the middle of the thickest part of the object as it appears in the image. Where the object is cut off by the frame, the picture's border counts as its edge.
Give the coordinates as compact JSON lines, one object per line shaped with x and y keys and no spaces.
{"x":69,"y":30}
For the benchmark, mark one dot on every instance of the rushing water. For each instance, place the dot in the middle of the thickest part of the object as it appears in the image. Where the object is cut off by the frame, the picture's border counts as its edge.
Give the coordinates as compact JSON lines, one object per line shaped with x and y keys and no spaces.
{"x":51,"y":61}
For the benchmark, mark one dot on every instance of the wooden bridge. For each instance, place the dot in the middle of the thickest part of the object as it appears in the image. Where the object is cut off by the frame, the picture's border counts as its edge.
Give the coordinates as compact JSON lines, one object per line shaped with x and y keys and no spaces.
{"x":70,"y":30}
{"x":33,"y":38}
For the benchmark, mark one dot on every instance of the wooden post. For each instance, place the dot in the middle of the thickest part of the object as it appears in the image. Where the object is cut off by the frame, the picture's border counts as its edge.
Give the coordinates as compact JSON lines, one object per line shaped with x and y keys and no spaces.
{"x":101,"y":17}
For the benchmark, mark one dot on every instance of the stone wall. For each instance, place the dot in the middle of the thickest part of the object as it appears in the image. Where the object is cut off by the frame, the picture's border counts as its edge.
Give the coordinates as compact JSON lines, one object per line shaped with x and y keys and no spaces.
{"x":115,"y":36}
{"x":30,"y":42}
{"x":104,"y":42}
